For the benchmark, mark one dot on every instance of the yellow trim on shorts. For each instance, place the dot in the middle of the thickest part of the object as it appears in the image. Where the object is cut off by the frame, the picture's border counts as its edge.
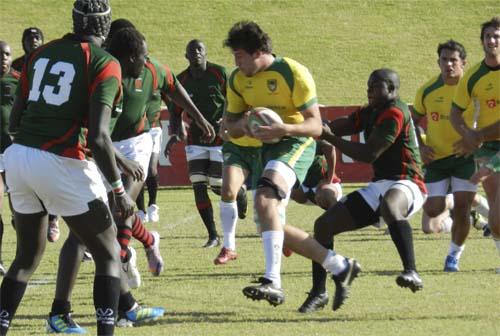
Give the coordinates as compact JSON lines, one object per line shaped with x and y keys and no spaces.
{"x":299,"y":152}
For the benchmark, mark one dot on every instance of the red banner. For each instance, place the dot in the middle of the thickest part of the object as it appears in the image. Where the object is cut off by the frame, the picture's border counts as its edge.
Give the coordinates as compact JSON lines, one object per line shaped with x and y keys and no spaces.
{"x":173,"y":170}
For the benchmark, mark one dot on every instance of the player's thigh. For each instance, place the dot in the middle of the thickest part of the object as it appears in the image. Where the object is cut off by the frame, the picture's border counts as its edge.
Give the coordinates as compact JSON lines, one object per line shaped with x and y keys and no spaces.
{"x":153,"y":164}
{"x":137,"y":149}
{"x":233,"y":178}
{"x":401,"y":200}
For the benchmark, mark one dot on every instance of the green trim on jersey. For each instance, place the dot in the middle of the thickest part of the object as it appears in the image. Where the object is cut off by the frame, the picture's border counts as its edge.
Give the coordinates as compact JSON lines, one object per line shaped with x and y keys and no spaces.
{"x":281,"y":66}
{"x":231,"y":84}
{"x":434,"y":86}
{"x":475,"y":77}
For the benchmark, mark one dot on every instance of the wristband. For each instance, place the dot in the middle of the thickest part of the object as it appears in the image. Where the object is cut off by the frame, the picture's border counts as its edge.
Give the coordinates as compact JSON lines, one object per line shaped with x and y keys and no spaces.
{"x":117,"y":187}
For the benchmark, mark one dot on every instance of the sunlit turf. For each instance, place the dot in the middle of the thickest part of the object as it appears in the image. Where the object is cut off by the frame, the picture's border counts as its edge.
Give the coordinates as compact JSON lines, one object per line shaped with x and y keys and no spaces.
{"x":204,"y":299}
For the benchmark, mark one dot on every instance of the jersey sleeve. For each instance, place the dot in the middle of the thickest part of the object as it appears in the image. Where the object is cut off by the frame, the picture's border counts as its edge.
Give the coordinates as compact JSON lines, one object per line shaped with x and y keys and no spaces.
{"x":106,"y":87}
{"x":389,"y":124}
{"x":235,"y":102}
{"x":462,"y":96}
{"x":304,"y":90}
{"x":418,"y":103}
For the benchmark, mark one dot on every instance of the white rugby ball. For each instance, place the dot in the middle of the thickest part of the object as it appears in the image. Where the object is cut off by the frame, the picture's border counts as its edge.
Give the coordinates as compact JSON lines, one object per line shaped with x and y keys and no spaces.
{"x":262,"y":116}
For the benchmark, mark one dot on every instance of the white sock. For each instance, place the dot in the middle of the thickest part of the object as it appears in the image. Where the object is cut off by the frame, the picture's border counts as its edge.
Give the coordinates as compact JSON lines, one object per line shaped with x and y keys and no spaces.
{"x":446,"y":224}
{"x":273,"y":245}
{"x":497,"y":244}
{"x":334,"y":263}
{"x":482,"y":208}
{"x":228,"y":218}
{"x":455,"y":251}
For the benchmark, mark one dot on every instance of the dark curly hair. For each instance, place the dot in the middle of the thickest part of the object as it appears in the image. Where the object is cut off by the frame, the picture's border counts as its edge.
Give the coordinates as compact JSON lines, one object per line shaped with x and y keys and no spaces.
{"x":247,"y":35}
{"x":494,"y":23}
{"x":126,"y":42}
{"x":91,"y":17}
{"x":453,"y":46}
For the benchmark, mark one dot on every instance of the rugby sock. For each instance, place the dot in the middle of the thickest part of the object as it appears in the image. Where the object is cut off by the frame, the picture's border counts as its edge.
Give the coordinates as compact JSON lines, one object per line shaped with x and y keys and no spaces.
{"x":126,"y":302}
{"x":152,"y":183}
{"x":334,"y":263}
{"x":455,"y":251}
{"x":482,"y":207}
{"x":273,"y":245}
{"x":124,"y":235}
{"x":106,"y":293}
{"x":228,"y":218}
{"x":402,"y":236}
{"x":319,"y":276}
{"x":60,"y":307}
{"x":140,"y":200}
{"x":140,"y":233}
{"x":11,"y":294}
{"x":205,"y":209}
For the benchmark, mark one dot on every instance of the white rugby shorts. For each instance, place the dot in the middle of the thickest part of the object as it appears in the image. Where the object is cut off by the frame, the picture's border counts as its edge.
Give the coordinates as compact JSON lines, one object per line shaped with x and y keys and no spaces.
{"x":137,"y":149}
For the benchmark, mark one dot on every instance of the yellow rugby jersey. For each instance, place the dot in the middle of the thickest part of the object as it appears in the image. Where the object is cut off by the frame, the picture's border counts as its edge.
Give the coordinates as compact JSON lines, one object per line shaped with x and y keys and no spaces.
{"x":433,"y":101}
{"x":246,"y":141}
{"x":286,"y":87}
{"x":481,"y":86}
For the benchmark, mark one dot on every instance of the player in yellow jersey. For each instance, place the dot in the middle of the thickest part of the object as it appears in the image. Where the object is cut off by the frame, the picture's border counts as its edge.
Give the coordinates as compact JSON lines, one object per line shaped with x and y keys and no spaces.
{"x":444,"y":169}
{"x":481,"y":86}
{"x":287,"y":87}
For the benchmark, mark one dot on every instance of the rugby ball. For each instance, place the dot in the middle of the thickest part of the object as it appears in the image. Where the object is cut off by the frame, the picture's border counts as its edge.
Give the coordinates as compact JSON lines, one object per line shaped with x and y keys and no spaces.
{"x":262,"y":116}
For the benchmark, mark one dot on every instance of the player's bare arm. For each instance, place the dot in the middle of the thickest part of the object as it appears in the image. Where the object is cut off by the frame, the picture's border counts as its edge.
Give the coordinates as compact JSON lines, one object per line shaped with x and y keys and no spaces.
{"x":15,"y":114}
{"x":342,"y":126}
{"x":328,"y":151}
{"x":426,"y":152}
{"x":236,"y":124}
{"x":129,"y":167}
{"x":103,"y":152}
{"x":467,"y":146}
{"x":367,"y":152}
{"x":181,"y":98}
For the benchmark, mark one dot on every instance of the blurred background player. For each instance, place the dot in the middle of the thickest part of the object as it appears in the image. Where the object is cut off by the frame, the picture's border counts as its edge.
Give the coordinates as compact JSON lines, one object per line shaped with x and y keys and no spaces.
{"x":397,"y":190}
{"x":49,"y":124}
{"x":32,"y":39}
{"x":444,"y":169}
{"x":480,"y":86}
{"x":8,"y":83}
{"x":205,"y":83}
{"x":262,"y":79}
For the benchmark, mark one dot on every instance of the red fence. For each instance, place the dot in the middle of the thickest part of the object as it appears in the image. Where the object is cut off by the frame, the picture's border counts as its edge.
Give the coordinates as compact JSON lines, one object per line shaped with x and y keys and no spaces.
{"x":173,"y":171}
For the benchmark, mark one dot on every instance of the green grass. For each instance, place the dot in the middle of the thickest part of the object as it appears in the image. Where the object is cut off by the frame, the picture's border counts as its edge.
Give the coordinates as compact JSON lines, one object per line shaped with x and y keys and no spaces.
{"x":203,"y":299}
{"x":341,"y":42}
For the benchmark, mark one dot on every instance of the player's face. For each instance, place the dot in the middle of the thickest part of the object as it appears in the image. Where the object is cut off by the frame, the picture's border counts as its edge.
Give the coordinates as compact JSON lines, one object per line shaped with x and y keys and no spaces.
{"x":451,"y":65}
{"x":196,"y":53}
{"x":31,"y":42}
{"x":5,"y":58}
{"x":491,"y":41}
{"x":247,"y":63}
{"x":378,"y":92}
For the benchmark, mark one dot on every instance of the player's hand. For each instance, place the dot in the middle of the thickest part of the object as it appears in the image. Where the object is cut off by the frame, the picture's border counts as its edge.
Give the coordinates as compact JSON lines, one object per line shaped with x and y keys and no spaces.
{"x":481,"y":174}
{"x":171,"y":142}
{"x":124,"y":205}
{"x":468,"y":144}
{"x":267,"y":133}
{"x":427,"y":153}
{"x":208,"y":131}
{"x":131,"y":168}
{"x":325,"y":130}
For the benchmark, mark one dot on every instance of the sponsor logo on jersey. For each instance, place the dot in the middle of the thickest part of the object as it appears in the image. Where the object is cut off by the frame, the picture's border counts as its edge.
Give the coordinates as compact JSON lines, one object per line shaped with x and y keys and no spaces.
{"x":491,"y":103}
{"x":138,"y":85}
{"x":439,"y":99}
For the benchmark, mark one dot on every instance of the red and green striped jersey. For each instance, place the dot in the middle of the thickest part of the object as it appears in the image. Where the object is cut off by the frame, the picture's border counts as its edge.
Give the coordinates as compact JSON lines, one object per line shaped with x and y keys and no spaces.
{"x":8,"y":84}
{"x":58,"y":83}
{"x":167,"y":83}
{"x":401,"y":161}
{"x":138,"y":94}
{"x":208,"y":93}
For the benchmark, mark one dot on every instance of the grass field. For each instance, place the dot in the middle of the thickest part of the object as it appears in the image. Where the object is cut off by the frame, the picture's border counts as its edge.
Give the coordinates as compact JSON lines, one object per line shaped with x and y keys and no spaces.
{"x":341,"y":42}
{"x":203,"y":299}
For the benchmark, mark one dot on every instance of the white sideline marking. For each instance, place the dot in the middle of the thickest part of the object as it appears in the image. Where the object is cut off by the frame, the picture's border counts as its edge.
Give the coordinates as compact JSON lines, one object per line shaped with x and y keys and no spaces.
{"x":41,"y":282}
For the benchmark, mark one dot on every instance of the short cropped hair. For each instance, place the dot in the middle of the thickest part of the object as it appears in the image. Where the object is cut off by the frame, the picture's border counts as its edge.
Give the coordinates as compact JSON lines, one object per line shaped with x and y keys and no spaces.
{"x":247,"y":35}
{"x":91,"y":17}
{"x":453,"y":46}
{"x":117,"y":25}
{"x":126,"y":42}
{"x":494,"y":22}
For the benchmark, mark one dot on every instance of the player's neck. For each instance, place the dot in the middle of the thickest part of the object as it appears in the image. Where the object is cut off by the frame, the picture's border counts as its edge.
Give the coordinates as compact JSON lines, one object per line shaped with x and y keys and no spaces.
{"x":198,"y":70}
{"x":450,"y":80}
{"x":266,"y":60}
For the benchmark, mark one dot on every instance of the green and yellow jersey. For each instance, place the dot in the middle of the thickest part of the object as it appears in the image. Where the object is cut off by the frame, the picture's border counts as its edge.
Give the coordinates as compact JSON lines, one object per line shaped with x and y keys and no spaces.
{"x":433,"y":101}
{"x":286,"y":87}
{"x":8,"y":84}
{"x":58,"y":83}
{"x":480,"y":86}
